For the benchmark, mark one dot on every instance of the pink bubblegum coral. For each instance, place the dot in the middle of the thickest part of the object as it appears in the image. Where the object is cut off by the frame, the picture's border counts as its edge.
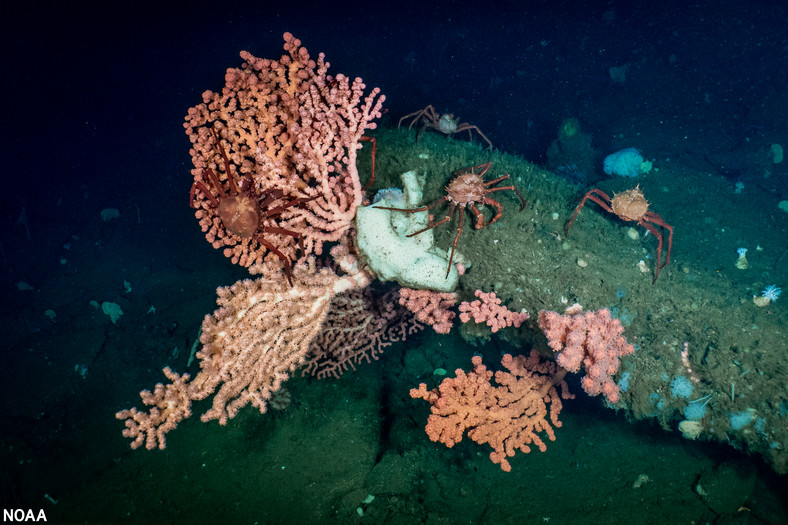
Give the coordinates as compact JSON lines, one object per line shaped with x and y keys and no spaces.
{"x":592,"y":339}
{"x":430,"y":307}
{"x":291,"y":133}
{"x":488,"y":309}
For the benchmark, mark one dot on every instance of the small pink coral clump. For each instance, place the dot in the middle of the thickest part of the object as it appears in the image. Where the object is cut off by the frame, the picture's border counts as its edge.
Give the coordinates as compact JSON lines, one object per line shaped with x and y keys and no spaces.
{"x":488,"y":309}
{"x":591,"y":339}
{"x":170,"y":404}
{"x":430,"y":307}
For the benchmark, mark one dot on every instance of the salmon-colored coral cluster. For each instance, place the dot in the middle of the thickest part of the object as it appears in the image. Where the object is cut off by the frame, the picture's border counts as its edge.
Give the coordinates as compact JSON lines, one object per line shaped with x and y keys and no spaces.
{"x":508,"y":417}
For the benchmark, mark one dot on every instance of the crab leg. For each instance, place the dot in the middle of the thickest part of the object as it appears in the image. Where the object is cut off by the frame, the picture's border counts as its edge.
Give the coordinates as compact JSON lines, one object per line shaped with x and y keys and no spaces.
{"x":498,"y":210}
{"x":658,"y":235}
{"x":484,"y":168}
{"x":479,"y":217}
{"x":597,"y":199}
{"x":372,"y":167}
{"x":508,"y":188}
{"x":289,"y":204}
{"x":432,"y":225}
{"x":656,"y":219}
{"x":282,"y":256}
{"x":230,"y":177}
{"x":469,"y":127}
{"x":198,"y":185}
{"x":412,"y":210}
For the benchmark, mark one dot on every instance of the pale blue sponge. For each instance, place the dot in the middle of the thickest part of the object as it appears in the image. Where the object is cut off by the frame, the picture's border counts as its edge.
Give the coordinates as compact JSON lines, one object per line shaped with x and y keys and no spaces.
{"x":681,"y":387}
{"x":628,"y":162}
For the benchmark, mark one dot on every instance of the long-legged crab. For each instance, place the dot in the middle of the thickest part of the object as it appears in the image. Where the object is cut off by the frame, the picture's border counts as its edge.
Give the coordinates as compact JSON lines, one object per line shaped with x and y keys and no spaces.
{"x":244,"y":211}
{"x":445,"y":123}
{"x":632,"y":206}
{"x":467,"y":188}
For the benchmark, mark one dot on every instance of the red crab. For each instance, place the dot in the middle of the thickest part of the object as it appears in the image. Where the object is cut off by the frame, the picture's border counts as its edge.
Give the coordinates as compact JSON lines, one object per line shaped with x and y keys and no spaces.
{"x":467,"y":188}
{"x":246,"y":212}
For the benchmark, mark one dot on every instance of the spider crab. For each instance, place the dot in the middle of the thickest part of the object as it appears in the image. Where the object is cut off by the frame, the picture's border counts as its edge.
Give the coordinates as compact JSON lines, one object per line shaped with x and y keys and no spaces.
{"x":631,"y":206}
{"x":244,"y":211}
{"x":445,"y":123}
{"x":467,"y":189}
